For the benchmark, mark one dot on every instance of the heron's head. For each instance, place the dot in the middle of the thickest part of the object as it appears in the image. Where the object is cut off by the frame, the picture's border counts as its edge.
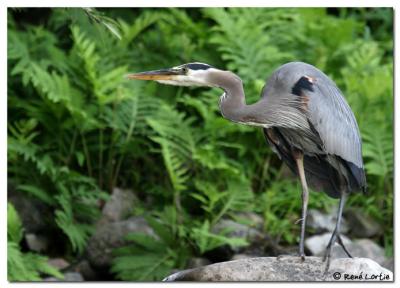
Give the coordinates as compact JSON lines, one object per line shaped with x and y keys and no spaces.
{"x":190,"y":74}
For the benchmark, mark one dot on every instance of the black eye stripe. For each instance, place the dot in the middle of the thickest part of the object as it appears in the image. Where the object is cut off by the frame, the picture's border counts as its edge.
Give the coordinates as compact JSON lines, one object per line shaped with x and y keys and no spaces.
{"x":198,"y":66}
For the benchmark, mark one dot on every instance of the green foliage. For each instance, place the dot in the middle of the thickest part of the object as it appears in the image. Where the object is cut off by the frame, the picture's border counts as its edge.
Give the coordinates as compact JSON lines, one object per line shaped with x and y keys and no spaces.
{"x":14,"y":225}
{"x":378,"y":149}
{"x":280,"y":206}
{"x":23,"y":266}
{"x":152,"y":257}
{"x":148,"y":259}
{"x":206,"y":241}
{"x":77,"y":128}
{"x":368,"y":80}
{"x":177,"y":143}
{"x":252,"y":52}
{"x":108,"y":22}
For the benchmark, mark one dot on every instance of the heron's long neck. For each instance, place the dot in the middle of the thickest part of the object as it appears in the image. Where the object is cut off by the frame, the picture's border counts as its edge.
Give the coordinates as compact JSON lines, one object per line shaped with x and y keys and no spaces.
{"x":233,"y":105}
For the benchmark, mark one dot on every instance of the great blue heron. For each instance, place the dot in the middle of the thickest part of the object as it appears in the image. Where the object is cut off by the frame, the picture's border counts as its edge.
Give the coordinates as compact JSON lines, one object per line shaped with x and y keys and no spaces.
{"x":305,"y":120}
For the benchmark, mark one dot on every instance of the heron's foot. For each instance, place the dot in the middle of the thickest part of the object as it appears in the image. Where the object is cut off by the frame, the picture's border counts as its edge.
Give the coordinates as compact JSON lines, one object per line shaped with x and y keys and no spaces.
{"x":302,"y":258}
{"x":335,"y":238}
{"x":299,"y":221}
{"x":283,"y":256}
{"x":340,"y":241}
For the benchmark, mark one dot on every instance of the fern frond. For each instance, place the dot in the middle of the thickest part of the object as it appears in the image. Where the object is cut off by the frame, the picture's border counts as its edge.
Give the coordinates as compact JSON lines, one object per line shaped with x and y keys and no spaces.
{"x":239,"y":197}
{"x":177,"y":144}
{"x":130,"y":32}
{"x":37,"y":192}
{"x":143,"y":267}
{"x":366,"y":77}
{"x":109,"y":23}
{"x":78,"y":233}
{"x":53,"y":86}
{"x":14,"y":225}
{"x":39,"y":263}
{"x":251,"y":50}
{"x":16,"y":268}
{"x":23,"y":130}
{"x":147,"y":258}
{"x":29,"y":152}
{"x":207,"y":240}
{"x":378,"y":149}
{"x":27,"y":266}
{"x":23,"y":266}
{"x":86,"y":50}
{"x":129,"y":115}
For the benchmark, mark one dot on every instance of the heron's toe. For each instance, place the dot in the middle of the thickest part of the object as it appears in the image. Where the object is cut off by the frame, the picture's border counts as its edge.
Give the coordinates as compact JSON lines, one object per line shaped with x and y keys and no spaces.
{"x":283,"y":256}
{"x":293,"y":257}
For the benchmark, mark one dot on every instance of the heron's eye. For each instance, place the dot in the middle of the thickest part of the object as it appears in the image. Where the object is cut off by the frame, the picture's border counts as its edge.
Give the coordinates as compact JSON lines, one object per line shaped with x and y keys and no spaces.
{"x":185,"y":69}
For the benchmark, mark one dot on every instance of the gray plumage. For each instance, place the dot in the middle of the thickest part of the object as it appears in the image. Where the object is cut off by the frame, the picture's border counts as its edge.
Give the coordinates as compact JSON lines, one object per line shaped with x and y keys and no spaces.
{"x":326,"y":130}
{"x":328,"y":111}
{"x":302,"y":108}
{"x":305,"y":120}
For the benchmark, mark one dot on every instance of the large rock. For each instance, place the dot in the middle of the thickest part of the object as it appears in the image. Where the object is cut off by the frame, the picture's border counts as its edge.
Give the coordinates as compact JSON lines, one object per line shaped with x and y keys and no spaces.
{"x":58,"y":263}
{"x":88,"y":273}
{"x":317,"y":244}
{"x":253,"y":219}
{"x":361,"y":225}
{"x":110,"y":236}
{"x":366,"y":248}
{"x":288,"y":268}
{"x":118,"y":206}
{"x":33,"y":213}
{"x":359,"y":248}
{"x":36,"y":242}
{"x":235,"y":229}
{"x":324,"y":222}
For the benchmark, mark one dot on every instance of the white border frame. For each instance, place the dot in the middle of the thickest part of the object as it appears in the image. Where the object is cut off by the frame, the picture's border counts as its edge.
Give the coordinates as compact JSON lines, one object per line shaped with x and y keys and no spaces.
{"x":165,"y":3}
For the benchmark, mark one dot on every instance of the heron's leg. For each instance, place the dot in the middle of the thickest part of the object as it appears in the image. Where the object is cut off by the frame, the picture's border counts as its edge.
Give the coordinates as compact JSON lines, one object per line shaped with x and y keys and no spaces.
{"x":336,"y":234}
{"x":304,"y":196}
{"x":344,"y":247}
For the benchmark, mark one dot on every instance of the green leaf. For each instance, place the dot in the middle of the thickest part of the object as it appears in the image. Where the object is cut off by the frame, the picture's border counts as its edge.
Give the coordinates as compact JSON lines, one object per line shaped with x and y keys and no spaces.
{"x":27,"y":266}
{"x":14,"y":225}
{"x":37,"y":192}
{"x":78,"y":233}
{"x":161,"y":230}
{"x":144,"y":267}
{"x":112,"y":25}
{"x":206,"y":240}
{"x":80,"y":157}
{"x":146,"y":242}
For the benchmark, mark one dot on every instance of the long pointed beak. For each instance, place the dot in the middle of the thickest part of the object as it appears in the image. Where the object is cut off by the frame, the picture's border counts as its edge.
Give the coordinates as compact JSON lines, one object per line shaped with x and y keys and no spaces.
{"x":163,"y":74}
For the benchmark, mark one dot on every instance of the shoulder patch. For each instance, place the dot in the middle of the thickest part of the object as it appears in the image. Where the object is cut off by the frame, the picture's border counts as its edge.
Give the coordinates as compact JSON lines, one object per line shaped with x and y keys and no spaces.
{"x":304,"y":83}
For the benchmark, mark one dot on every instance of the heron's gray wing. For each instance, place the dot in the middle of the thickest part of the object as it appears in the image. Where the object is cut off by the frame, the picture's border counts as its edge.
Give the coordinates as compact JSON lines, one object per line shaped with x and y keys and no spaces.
{"x":324,"y":104}
{"x":310,"y":113}
{"x":334,"y":121}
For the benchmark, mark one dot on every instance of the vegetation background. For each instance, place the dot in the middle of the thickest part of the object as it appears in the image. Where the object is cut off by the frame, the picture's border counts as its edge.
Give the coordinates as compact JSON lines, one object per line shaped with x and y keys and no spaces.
{"x":77,"y":128}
